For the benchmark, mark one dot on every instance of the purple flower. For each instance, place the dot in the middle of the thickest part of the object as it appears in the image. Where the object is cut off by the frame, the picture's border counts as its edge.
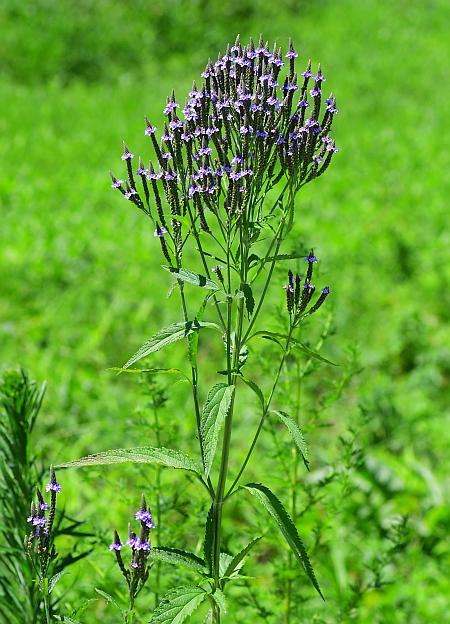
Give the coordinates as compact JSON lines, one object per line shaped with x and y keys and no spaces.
{"x":262,"y":133}
{"x":205,"y":151}
{"x":134,"y":564}
{"x":149,"y":130}
{"x":318,"y":159}
{"x":308,"y":285}
{"x":288,"y":288}
{"x":311,"y":258}
{"x":146,"y":518}
{"x":53,"y":486}
{"x":314,"y":92}
{"x":160,"y":231}
{"x":307,"y":74}
{"x":246,"y":129}
{"x":326,"y":290}
{"x":319,"y":78}
{"x":217,"y":268}
{"x":292,"y":54}
{"x":127,"y":155}
{"x":117,"y":184}
{"x":43,"y":506}
{"x":141,"y":171}
{"x":166,"y":155}
{"x":129,"y":193}
{"x":332,"y":109}
{"x":303,"y":104}
{"x":289,"y":87}
{"x":115,"y":546}
{"x":141,"y":544}
{"x":275,"y":60}
{"x":176,"y":123}
{"x":170,"y":106}
{"x":272,"y":101}
{"x":131,"y":542}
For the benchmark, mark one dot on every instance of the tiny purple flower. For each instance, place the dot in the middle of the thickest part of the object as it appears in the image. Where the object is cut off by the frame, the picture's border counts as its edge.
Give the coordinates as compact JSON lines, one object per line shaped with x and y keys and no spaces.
{"x":53,"y":487}
{"x":170,"y":106}
{"x":160,"y":231}
{"x":141,"y":171}
{"x":149,"y":130}
{"x":310,"y":258}
{"x":326,"y":290}
{"x":127,"y":155}
{"x":166,"y":155}
{"x":129,"y":194}
{"x":307,"y":74}
{"x":315,"y":92}
{"x":117,"y":184}
{"x":292,"y":54}
{"x":43,"y":506}
{"x":134,"y":564}
{"x":115,"y":546}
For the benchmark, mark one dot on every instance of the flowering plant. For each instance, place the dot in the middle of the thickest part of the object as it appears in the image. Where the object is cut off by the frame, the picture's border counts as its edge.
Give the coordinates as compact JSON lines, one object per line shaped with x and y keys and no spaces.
{"x":224,"y":178}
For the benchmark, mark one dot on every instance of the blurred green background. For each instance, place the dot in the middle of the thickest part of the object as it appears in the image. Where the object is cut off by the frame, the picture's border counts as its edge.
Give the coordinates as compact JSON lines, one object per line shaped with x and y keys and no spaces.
{"x":80,"y":284}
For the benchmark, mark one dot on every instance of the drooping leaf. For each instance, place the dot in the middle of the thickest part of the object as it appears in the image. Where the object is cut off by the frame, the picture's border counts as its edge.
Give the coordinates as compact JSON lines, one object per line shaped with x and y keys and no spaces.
{"x":139,"y":455}
{"x":168,"y":335}
{"x":279,"y":514}
{"x":238,"y":560}
{"x":176,"y":556}
{"x":296,"y":434}
{"x":178,"y":604}
{"x":256,"y":389}
{"x":208,"y":544}
{"x":215,"y":410}
{"x":302,"y":347}
{"x":192,"y":278}
{"x":108,"y":598}
{"x":249,"y":299}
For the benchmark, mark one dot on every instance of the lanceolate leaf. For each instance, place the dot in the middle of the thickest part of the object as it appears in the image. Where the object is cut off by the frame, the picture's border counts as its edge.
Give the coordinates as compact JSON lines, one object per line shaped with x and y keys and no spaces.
{"x":178,"y":604}
{"x":209,"y":539}
{"x":302,"y":347}
{"x":275,"y":508}
{"x":296,"y":434}
{"x":139,"y":455}
{"x":179,"y":557}
{"x":168,"y":335}
{"x":193,"y":278}
{"x":214,"y":412}
{"x":237,"y":561}
{"x":256,"y":389}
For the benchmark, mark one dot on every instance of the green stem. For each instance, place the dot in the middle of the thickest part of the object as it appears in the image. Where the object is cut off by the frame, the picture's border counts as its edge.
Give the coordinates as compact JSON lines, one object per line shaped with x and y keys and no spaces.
{"x":158,"y":507}
{"x":264,"y":415}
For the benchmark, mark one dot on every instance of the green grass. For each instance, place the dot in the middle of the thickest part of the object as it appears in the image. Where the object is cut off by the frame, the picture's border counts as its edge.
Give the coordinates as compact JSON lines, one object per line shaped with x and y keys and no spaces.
{"x":80,"y":284}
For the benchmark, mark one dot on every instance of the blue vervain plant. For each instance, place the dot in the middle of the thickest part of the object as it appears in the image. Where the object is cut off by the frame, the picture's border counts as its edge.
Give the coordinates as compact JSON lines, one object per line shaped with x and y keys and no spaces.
{"x":223,"y":184}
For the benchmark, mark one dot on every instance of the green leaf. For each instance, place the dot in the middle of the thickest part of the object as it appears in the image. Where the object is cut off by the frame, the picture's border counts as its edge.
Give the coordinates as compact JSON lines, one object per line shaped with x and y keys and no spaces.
{"x":296,"y":434}
{"x":209,"y":539}
{"x":168,"y":335}
{"x":256,"y":389}
{"x":275,"y":508}
{"x":219,"y":598}
{"x":215,"y":410}
{"x":193,"y":278}
{"x":237,"y":561}
{"x":249,"y":299}
{"x":108,"y":598}
{"x":178,"y":604}
{"x":52,"y":582}
{"x":149,"y":371}
{"x":176,"y":556}
{"x":139,"y":455}
{"x":302,"y":347}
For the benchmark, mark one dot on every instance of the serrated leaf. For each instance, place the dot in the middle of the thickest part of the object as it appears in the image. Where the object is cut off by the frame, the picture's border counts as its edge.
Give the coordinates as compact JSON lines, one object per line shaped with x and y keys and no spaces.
{"x":256,"y":389}
{"x":296,"y":434}
{"x":249,"y":299}
{"x":220,"y":600}
{"x":311,"y":353}
{"x":176,"y":556}
{"x":168,"y":335}
{"x":237,"y":561}
{"x":279,"y":514}
{"x":215,"y":410}
{"x":139,"y":455}
{"x":178,"y":604}
{"x":192,"y":278}
{"x":52,"y":582}
{"x":209,"y":539}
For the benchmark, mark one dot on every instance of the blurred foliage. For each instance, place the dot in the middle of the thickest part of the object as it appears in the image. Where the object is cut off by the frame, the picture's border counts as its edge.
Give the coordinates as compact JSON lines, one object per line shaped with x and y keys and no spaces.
{"x":81,"y":289}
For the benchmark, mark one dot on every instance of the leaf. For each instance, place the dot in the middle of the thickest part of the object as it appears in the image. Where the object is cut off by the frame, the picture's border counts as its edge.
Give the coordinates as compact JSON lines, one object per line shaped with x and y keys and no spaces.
{"x":296,"y":434}
{"x":219,"y":598}
{"x":215,"y":410}
{"x":52,"y":582}
{"x":275,"y":508}
{"x":139,"y":455}
{"x":208,"y":544}
{"x":256,"y":389}
{"x":178,"y":604}
{"x":193,"y":278}
{"x":108,"y":598}
{"x":237,"y":561}
{"x":179,"y":557}
{"x":149,"y":371}
{"x":168,"y":335}
{"x":310,"y":352}
{"x":249,"y":299}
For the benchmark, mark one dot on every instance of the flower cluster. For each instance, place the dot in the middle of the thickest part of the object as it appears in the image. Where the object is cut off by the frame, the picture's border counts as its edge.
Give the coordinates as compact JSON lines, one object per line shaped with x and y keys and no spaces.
{"x":298,"y":295}
{"x":39,"y":540}
{"x":253,"y":121}
{"x":137,"y":573}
